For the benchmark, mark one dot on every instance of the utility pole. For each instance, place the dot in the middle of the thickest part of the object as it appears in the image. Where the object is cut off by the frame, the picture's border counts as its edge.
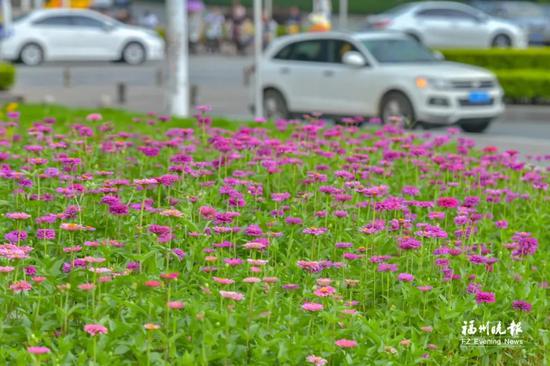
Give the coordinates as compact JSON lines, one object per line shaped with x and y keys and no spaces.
{"x":38,"y":4}
{"x":343,"y":15}
{"x":178,"y":58}
{"x":66,"y":3}
{"x":258,"y":37}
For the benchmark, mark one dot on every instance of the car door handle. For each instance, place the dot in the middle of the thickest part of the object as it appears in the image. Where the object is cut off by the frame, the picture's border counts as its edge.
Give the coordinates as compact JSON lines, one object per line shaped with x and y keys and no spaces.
{"x":285,"y":70}
{"x":328,"y":73}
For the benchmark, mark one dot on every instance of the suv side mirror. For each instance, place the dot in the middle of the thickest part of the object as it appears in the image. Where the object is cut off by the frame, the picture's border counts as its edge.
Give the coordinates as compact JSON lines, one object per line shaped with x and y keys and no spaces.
{"x":354,"y":59}
{"x":438,"y":55}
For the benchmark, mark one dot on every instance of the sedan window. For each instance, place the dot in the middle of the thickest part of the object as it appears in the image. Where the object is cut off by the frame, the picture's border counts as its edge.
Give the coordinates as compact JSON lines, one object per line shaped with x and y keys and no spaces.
{"x":453,"y":14}
{"x":310,"y":51}
{"x":339,"y":49}
{"x":398,"y":50}
{"x":83,"y":21}
{"x":58,"y":20}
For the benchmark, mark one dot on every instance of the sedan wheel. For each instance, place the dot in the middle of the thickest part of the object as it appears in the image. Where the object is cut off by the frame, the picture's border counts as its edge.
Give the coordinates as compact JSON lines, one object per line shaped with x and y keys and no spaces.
{"x":31,"y":55}
{"x":133,"y":54}
{"x":397,"y":109}
{"x":275,"y":105}
{"x":502,"y":41}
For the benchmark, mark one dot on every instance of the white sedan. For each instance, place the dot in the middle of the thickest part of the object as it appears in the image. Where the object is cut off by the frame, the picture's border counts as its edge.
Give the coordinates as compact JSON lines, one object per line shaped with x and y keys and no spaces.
{"x":385,"y":74}
{"x":447,"y":24}
{"x":71,"y":34}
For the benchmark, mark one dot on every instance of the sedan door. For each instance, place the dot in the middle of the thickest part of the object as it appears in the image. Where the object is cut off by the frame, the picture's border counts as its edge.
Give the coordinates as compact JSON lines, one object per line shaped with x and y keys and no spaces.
{"x":299,"y":69}
{"x":94,"y":39}
{"x":348,"y":90}
{"x":56,"y":34}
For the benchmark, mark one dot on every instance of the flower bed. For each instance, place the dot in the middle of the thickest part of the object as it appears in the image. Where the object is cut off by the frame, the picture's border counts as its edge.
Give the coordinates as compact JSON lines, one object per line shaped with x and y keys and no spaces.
{"x":137,"y":240}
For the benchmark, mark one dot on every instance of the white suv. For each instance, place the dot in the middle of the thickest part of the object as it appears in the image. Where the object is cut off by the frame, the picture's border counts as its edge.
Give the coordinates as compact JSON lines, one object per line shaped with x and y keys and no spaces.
{"x":383,"y":74}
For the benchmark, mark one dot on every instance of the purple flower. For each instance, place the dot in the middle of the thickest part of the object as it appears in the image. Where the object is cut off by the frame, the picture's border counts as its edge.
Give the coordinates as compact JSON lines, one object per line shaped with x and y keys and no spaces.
{"x":45,"y":234}
{"x":405,"y":277}
{"x":522,"y":306}
{"x":485,"y":297}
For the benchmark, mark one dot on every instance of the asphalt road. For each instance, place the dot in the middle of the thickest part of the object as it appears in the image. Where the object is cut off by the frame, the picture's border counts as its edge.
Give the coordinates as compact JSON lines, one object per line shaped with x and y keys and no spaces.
{"x":219,"y":82}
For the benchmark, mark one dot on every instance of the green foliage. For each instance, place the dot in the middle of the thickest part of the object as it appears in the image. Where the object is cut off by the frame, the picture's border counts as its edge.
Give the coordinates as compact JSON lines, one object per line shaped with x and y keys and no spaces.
{"x":519,"y":84}
{"x":7,"y":76}
{"x":521,"y":72}
{"x":502,"y":59}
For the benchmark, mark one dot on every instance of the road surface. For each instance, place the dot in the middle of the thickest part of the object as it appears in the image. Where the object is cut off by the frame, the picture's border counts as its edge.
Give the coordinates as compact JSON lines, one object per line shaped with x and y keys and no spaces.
{"x":220,"y":84}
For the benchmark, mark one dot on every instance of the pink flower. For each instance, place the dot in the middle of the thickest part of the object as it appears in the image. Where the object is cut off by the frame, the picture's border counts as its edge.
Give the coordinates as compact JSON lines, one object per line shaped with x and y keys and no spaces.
{"x":405,"y":277}
{"x":38,"y":350}
{"x":325,"y":291}
{"x":94,"y":117}
{"x":17,"y":215}
{"x":316,"y":360}
{"x":312,"y":306}
{"x":176,"y":305}
{"x":20,"y":286}
{"x":346,"y":343}
{"x":237,"y":296}
{"x":94,"y":329}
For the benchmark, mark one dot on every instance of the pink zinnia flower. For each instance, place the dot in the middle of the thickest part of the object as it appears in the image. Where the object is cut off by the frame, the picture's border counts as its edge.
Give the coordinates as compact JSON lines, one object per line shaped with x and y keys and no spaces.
{"x":316,"y":360}
{"x":237,"y":296}
{"x":20,"y":286}
{"x":38,"y":350}
{"x":346,"y":343}
{"x":176,"y":305}
{"x":325,"y":291}
{"x":312,"y":306}
{"x":17,"y":215}
{"x":94,"y":329}
{"x":94,"y":117}
{"x":405,"y":277}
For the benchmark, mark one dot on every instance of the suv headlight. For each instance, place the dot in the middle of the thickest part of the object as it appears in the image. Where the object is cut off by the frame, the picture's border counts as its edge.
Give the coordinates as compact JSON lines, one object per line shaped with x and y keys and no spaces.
{"x":434,"y":83}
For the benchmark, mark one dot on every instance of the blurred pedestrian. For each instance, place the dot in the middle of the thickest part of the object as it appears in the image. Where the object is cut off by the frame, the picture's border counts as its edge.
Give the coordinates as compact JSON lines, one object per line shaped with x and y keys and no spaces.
{"x":149,"y":20}
{"x":294,"y":21}
{"x":195,"y":9}
{"x":214,"y":22}
{"x":269,"y":32}
{"x":238,"y":19}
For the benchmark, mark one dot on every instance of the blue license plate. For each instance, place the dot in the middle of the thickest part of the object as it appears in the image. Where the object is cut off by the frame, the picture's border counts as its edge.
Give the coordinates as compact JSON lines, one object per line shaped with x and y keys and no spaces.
{"x":479,"y":97}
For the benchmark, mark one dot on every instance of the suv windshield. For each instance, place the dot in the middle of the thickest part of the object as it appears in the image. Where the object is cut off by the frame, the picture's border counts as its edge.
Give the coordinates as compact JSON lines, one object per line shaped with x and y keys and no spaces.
{"x":398,"y":50}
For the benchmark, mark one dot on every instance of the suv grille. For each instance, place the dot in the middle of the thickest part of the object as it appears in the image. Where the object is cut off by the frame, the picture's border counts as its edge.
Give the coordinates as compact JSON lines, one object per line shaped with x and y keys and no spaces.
{"x":473,"y":84}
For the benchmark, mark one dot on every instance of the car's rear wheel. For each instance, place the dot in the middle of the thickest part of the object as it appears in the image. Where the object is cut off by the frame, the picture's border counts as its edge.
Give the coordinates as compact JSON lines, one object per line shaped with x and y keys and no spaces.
{"x":501,"y":41}
{"x":275,"y":105}
{"x":134,"y":53}
{"x":476,"y":126}
{"x":397,"y":108}
{"x":31,"y":54}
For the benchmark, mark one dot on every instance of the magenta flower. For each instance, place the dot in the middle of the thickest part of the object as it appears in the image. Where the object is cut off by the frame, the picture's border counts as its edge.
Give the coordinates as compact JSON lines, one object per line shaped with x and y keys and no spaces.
{"x":522,"y":306}
{"x":95,"y":329}
{"x":485,"y":297}
{"x":405,"y":277}
{"x":38,"y":350}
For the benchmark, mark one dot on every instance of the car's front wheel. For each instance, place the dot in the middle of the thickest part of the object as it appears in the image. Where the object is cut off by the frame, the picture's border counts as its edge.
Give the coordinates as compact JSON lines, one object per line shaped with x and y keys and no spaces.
{"x":31,"y":54}
{"x":134,"y":54}
{"x":476,"y":126}
{"x":275,"y":105}
{"x":501,"y":41}
{"x":397,"y":108}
